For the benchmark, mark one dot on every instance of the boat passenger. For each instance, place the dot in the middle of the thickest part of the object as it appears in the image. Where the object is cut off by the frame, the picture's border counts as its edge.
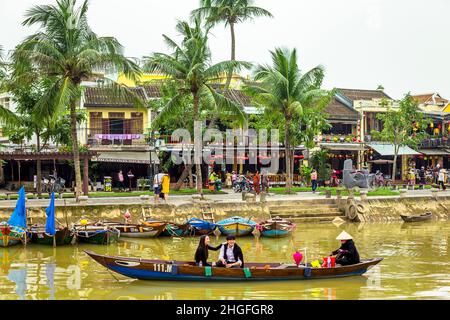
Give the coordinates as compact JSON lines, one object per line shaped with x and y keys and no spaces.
{"x":347,"y":253}
{"x":202,"y":253}
{"x":230,"y":254}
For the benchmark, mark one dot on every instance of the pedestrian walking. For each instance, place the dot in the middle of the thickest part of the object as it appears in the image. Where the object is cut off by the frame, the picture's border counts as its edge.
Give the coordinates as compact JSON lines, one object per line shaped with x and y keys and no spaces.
{"x":256,"y":182}
{"x":265,"y":181}
{"x":314,"y":181}
{"x":441,"y":179}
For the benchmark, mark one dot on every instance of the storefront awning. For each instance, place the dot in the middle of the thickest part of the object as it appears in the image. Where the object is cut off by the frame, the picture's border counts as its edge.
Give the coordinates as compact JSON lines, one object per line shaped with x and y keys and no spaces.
{"x":434,"y":152}
{"x":343,"y":146}
{"x":127,"y":157}
{"x":388,"y":150}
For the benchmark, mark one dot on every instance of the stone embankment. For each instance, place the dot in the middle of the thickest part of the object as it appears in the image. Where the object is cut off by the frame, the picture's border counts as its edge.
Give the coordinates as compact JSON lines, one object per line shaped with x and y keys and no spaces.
{"x":307,"y":210}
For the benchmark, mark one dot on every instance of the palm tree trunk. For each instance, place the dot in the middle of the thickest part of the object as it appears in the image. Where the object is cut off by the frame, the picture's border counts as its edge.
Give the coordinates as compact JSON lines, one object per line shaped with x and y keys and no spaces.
{"x":198,"y":166}
{"x":287,"y":151}
{"x":75,"y":148}
{"x":233,"y":54}
{"x":38,"y":166}
{"x":183,"y":177}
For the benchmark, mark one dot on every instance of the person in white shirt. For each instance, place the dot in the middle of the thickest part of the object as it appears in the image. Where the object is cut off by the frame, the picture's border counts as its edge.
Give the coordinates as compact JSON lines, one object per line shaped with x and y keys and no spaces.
{"x":441,"y":179}
{"x":157,"y":185}
{"x":230,"y":254}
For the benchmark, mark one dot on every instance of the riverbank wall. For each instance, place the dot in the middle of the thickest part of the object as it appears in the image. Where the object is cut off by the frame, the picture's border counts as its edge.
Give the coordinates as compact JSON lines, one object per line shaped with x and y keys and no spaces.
{"x":387,"y":209}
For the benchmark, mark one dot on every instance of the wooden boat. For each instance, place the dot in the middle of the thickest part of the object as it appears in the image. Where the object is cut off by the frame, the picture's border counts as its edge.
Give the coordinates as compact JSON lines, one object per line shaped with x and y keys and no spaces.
{"x":417,"y":218}
{"x":276,"y":228}
{"x":236,"y":226}
{"x":142,"y":269}
{"x":170,"y":229}
{"x":134,"y":230}
{"x":201,"y":227}
{"x":96,"y":234}
{"x":177,"y":230}
{"x":64,"y":236}
{"x":11,"y":235}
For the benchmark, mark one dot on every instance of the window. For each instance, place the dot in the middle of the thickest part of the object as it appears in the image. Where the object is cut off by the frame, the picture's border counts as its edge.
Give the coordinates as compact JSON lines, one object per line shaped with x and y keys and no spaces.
{"x":137,"y":122}
{"x":95,"y":123}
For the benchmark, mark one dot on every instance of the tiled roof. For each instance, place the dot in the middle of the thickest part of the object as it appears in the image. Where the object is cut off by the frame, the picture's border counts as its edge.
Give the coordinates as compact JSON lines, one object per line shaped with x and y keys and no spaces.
{"x":105,"y":97}
{"x":152,"y":91}
{"x":428,"y":98}
{"x":238,"y":97}
{"x":337,"y":110}
{"x":357,"y":94}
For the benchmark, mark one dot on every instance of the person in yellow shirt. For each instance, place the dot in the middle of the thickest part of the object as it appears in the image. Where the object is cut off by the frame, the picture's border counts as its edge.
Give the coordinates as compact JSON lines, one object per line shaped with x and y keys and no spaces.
{"x":166,"y":186}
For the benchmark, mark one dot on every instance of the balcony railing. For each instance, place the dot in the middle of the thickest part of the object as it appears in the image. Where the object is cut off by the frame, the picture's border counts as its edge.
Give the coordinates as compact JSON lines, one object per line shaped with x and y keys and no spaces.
{"x":97,"y":137}
{"x":440,"y":142}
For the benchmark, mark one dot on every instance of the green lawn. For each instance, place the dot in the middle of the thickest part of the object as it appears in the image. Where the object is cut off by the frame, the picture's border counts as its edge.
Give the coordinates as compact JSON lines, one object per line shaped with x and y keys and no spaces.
{"x":374,"y":193}
{"x":117,"y":194}
{"x":321,"y":190}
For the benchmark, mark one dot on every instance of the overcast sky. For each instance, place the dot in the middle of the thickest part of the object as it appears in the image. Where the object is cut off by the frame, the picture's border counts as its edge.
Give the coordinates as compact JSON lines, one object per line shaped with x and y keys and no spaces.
{"x":402,"y":44}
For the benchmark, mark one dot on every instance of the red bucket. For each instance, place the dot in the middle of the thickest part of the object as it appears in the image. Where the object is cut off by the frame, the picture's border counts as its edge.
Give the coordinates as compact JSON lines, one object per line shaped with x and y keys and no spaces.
{"x":329,"y":262}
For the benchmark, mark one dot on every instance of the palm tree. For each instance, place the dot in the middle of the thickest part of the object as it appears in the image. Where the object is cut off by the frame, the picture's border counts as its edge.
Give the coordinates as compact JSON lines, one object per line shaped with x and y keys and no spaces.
{"x":67,"y":51}
{"x":191,"y":68}
{"x":6,"y":115}
{"x":283,"y":89}
{"x":229,"y":12}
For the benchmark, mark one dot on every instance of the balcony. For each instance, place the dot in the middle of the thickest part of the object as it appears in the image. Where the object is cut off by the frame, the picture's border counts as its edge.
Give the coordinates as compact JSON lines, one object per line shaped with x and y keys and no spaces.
{"x":97,"y":140}
{"x":438,"y":142}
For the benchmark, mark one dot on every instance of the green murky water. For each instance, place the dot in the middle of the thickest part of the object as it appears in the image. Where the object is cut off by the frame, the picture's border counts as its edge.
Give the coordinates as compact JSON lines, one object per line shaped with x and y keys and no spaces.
{"x":416,"y":266}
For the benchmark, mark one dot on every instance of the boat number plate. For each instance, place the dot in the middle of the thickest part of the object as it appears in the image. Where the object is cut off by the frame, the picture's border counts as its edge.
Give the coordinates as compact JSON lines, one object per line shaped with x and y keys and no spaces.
{"x":162,"y":267}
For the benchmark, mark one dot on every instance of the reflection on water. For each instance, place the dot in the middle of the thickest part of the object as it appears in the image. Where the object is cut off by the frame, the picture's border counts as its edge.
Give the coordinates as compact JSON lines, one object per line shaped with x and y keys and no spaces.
{"x":416,"y":265}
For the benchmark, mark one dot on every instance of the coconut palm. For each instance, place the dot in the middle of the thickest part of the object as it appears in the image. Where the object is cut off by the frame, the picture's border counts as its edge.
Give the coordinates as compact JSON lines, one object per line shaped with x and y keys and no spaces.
{"x":6,"y":115}
{"x":230,"y":12}
{"x":283,"y":89}
{"x":67,"y":51}
{"x":190,"y":66}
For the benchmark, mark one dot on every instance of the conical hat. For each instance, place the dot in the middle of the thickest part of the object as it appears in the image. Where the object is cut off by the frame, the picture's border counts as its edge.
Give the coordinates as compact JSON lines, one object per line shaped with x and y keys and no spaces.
{"x":344,"y":236}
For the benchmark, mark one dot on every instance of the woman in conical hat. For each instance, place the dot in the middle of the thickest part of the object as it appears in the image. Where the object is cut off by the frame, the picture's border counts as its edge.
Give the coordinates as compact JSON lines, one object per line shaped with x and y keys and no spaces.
{"x":347,"y":253}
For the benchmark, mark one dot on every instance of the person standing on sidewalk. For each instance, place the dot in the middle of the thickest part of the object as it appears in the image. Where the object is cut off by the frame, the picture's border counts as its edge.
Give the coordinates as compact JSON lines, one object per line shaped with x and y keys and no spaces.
{"x":121,"y":179}
{"x":256,"y":182}
{"x":441,"y":179}
{"x":314,"y":181}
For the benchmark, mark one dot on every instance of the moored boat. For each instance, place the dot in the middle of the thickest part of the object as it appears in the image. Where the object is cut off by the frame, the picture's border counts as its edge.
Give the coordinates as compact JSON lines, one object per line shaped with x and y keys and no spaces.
{"x":134,"y":230}
{"x":417,"y":218}
{"x":236,"y":226}
{"x":63,"y":236}
{"x":276,"y":228}
{"x":96,"y":234}
{"x":11,"y":235}
{"x":177,"y":230}
{"x":142,"y":269}
{"x":202,"y":227}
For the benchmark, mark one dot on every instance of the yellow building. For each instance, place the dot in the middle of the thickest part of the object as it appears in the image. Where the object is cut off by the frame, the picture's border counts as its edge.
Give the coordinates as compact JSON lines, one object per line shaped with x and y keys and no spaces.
{"x":236,"y":81}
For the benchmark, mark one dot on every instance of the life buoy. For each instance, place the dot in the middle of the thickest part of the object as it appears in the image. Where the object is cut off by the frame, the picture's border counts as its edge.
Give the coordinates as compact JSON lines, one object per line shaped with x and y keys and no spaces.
{"x":361,"y":209}
{"x":351,"y":212}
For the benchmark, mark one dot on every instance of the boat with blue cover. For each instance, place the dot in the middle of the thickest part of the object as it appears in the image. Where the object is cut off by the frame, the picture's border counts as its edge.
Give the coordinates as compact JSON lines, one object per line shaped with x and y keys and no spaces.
{"x":14,"y":231}
{"x":236,"y":226}
{"x":143,"y":269}
{"x":202,"y":227}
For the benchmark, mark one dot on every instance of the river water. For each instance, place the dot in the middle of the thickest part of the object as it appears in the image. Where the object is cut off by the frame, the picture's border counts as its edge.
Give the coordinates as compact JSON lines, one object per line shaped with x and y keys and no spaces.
{"x":416,"y":265}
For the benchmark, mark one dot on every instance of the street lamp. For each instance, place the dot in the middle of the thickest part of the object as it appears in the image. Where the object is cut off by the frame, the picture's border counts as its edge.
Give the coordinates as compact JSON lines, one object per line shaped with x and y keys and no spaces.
{"x":153,"y":144}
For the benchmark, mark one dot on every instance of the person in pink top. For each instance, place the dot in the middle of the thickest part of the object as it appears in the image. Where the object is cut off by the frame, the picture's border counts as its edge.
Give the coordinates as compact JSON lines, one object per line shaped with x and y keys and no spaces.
{"x":314,"y":181}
